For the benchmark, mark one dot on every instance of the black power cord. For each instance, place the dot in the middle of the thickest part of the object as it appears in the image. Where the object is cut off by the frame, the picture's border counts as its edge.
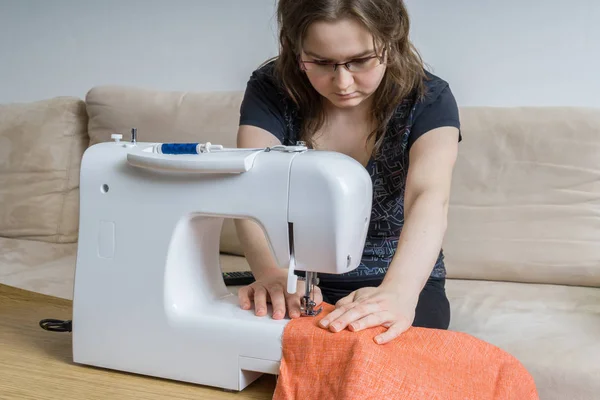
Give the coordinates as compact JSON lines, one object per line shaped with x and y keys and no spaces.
{"x":56,"y":325}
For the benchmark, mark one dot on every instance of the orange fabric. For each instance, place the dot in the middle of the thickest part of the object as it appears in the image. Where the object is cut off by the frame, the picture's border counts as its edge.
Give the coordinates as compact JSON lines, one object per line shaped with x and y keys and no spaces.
{"x":421,"y":364}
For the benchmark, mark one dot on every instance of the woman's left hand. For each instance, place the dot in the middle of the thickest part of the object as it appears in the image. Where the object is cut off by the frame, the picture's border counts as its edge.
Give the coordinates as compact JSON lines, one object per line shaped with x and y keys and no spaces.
{"x":373,"y":306}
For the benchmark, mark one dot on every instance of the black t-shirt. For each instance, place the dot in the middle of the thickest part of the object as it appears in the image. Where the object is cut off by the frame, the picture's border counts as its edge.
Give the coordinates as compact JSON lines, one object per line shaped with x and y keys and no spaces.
{"x":267,"y":106}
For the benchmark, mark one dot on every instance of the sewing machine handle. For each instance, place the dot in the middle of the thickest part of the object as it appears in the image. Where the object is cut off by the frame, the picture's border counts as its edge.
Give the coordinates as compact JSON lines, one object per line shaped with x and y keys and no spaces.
{"x":224,"y":161}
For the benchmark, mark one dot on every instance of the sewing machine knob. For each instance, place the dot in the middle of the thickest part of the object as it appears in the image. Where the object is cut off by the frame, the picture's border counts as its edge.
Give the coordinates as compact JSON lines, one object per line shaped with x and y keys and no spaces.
{"x":116,"y":137}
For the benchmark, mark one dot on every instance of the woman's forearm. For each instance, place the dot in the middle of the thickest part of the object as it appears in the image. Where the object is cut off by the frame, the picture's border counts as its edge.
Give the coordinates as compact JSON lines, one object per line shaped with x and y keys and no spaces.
{"x":256,"y":248}
{"x":419,"y":244}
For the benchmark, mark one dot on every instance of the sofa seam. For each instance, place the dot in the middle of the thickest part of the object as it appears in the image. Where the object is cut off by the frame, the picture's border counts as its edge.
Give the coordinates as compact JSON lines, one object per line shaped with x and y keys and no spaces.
{"x":59,"y":237}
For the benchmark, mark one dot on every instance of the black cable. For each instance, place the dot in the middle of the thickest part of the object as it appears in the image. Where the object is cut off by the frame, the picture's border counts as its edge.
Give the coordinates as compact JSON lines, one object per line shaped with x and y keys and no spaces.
{"x":56,"y":325}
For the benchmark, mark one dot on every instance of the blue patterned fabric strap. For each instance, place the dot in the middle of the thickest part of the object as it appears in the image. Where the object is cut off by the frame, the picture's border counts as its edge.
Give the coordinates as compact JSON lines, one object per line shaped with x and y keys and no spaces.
{"x":179,"y":148}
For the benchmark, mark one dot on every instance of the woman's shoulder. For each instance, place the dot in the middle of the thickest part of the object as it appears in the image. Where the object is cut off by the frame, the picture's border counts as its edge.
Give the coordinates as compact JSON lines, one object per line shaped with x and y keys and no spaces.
{"x":436,"y":107}
{"x":435,"y":88}
{"x":265,"y":104}
{"x":264,"y":78}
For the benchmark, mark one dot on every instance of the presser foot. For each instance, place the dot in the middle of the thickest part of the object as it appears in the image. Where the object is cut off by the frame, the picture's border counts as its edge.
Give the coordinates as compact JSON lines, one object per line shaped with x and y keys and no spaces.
{"x":307,"y":307}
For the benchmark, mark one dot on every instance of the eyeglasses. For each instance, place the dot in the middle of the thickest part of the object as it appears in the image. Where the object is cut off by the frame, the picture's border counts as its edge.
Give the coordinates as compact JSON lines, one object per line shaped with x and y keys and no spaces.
{"x":357,"y":65}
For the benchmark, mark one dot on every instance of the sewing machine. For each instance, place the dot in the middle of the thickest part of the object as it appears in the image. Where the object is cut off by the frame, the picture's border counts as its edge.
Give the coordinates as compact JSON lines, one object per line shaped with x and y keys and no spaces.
{"x":149,"y":296}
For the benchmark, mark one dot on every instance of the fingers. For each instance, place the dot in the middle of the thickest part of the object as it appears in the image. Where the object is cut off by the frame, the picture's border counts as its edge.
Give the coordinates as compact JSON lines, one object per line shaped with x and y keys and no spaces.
{"x":341,"y":306}
{"x":341,"y":317}
{"x":260,"y":300}
{"x":278,"y":301}
{"x":371,"y":320}
{"x":244,"y":295}
{"x":293,"y":303}
{"x":264,"y":292}
{"x":392,"y":332}
{"x":261,"y":295}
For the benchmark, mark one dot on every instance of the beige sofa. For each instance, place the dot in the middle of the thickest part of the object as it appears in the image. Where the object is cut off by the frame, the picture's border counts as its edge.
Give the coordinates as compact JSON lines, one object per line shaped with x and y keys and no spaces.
{"x":523,"y":244}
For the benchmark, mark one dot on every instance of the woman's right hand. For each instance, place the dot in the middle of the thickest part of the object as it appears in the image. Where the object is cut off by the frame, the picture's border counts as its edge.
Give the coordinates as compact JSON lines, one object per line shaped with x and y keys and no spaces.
{"x":271,"y":287}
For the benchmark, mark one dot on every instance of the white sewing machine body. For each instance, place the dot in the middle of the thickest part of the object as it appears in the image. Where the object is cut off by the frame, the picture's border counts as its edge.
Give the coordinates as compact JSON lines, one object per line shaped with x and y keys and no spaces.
{"x":149,"y":296}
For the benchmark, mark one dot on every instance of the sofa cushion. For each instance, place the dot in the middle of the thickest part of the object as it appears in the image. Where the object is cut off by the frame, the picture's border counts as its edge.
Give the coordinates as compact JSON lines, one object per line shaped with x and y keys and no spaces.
{"x":525,"y":203}
{"x":552,"y":329}
{"x":41,"y":144}
{"x":38,"y":266}
{"x":167,"y":116}
{"x":162,"y":116}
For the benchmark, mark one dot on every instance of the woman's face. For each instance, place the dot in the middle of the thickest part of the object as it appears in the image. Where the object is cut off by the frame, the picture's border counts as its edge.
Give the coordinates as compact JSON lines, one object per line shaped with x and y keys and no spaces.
{"x":338,"y":42}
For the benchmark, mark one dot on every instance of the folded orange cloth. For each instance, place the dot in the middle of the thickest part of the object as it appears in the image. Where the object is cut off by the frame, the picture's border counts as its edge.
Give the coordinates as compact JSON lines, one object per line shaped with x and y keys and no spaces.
{"x":421,"y":364}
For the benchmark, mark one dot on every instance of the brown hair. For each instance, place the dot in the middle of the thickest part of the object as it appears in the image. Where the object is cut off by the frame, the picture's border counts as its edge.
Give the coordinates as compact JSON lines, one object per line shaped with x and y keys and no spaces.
{"x":388,"y":22}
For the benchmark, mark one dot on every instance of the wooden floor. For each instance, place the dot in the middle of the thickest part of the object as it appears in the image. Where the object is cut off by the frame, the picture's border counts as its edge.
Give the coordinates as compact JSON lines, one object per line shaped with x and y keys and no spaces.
{"x":37,"y":364}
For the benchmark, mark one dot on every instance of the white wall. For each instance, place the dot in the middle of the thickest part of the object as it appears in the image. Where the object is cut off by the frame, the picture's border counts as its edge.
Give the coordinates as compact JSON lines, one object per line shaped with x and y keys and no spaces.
{"x":64,"y":47}
{"x":510,"y":52}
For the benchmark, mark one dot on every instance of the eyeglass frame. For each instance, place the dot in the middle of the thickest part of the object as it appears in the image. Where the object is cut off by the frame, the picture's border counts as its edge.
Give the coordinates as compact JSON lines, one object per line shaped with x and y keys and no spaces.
{"x":345,"y":64}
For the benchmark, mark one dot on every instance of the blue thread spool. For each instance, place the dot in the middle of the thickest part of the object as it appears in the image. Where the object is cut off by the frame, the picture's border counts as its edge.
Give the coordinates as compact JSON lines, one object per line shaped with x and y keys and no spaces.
{"x":178,"y":148}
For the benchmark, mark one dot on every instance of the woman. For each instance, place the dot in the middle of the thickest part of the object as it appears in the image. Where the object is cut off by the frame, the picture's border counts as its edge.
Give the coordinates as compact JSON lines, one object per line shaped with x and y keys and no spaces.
{"x":347,"y":79}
